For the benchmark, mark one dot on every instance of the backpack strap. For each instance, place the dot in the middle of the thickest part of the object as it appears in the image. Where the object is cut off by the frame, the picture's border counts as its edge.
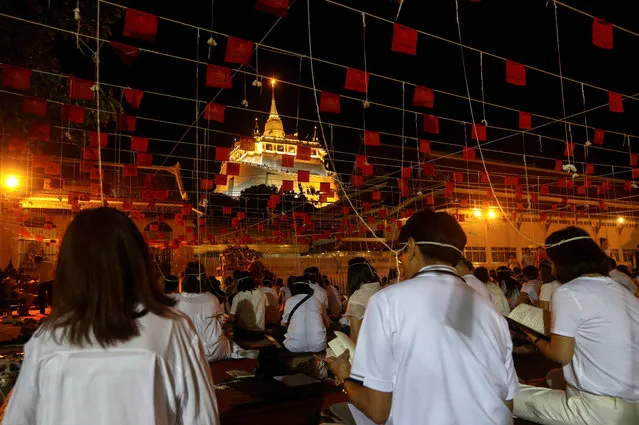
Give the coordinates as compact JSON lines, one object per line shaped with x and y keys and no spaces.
{"x":290,"y":316}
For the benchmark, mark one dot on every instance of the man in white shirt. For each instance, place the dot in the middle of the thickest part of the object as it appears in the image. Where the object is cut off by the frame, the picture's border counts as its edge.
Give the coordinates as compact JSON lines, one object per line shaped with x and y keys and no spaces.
{"x":431,"y":350}
{"x":465,"y":270}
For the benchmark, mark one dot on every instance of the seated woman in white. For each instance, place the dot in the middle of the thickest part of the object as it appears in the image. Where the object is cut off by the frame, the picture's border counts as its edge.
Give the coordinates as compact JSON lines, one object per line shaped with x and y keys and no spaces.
{"x":594,"y":335}
{"x":509,"y":286}
{"x":248,"y":310}
{"x":272,"y":301}
{"x":205,"y":311}
{"x":306,"y":320}
{"x":363,"y":283}
{"x":497,"y":297}
{"x":113,"y":350}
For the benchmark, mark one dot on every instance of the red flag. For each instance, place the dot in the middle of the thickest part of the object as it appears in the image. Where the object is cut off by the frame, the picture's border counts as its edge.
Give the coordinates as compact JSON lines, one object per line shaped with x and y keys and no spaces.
{"x":81,"y":89}
{"x":627,"y":186}
{"x":588,"y":183}
{"x":458,"y":177}
{"x":634,"y":159}
{"x":129,"y":170}
{"x":127,"y":53}
{"x":94,"y":174}
{"x":590,"y":169}
{"x":404,"y":40}
{"x":222,"y":154}
{"x":569,"y":150}
{"x":139,"y":144}
{"x":330,"y":102}
{"x":423,"y":97}
{"x":371,"y":138}
{"x":431,"y":124}
{"x":424,"y":146}
{"x":90,"y":154}
{"x":287,"y":185}
{"x":558,"y":165}
{"x":52,"y":169}
{"x":515,"y":73}
{"x":227,"y":210}
{"x":144,"y":159}
{"x":238,"y":51}
{"x":357,"y":181}
{"x":140,"y":25}
{"x":525,"y":120}
{"x":407,"y":173}
{"x":40,"y":132}
{"x":93,"y":140}
{"x":479,"y":132}
{"x":430,"y":200}
{"x":16,"y":78}
{"x":356,"y":80}
{"x":206,"y":184}
{"x":429,"y":169}
{"x":377,"y":195}
{"x":220,"y":179}
{"x":468,"y":154}
{"x":484,"y":177}
{"x":125,"y":122}
{"x":34,"y":106}
{"x":273,"y":7}
{"x":325,"y":187}
{"x":367,"y":169}
{"x":214,"y":112}
{"x":133,"y":97}
{"x":602,"y":34}
{"x":303,"y":153}
{"x":288,"y":161}
{"x":635,"y":173}
{"x":72,"y":113}
{"x":615,"y":102}
{"x":543,"y":189}
{"x":232,"y":169}
{"x":218,"y":77}
{"x":581,"y":190}
{"x":598,"y":138}
{"x":361,"y":160}
{"x":303,"y":176}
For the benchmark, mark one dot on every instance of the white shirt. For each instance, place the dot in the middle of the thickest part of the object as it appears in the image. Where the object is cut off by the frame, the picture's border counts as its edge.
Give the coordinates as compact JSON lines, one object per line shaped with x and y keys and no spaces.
{"x":285,"y":294}
{"x":320,"y":294}
{"x":306,"y":332}
{"x":334,"y":301}
{"x":357,"y":303}
{"x":141,"y":381}
{"x":547,"y":289}
{"x":477,"y":285}
{"x":498,"y":299}
{"x":624,"y":279}
{"x":604,"y":321}
{"x":271,"y":296}
{"x":207,"y":316}
{"x":530,"y":288}
{"x":441,"y":349}
{"x":249,"y":309}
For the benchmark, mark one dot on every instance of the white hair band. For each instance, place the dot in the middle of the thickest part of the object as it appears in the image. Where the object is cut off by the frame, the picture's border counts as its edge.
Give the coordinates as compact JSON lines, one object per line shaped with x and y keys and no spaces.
{"x":576,"y":238}
{"x":443,"y":245}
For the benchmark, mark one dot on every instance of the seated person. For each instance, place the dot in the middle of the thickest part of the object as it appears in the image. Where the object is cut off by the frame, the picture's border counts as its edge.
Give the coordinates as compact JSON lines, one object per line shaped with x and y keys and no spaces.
{"x":508,"y":285}
{"x":306,"y":320}
{"x":317,"y":284}
{"x":529,"y":293}
{"x":171,"y":284}
{"x":12,"y":293}
{"x":594,"y":335}
{"x":363,"y":283}
{"x":284,"y":291}
{"x":465,"y":270}
{"x":621,"y":275}
{"x":205,"y":312}
{"x":272,"y":302}
{"x":334,"y":299}
{"x":248,"y":310}
{"x":497,"y":297}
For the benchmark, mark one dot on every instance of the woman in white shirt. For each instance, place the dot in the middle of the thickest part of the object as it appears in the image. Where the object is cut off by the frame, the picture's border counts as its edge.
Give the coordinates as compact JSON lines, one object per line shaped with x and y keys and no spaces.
{"x":363,"y":282}
{"x":508,"y":285}
{"x":248,"y":310}
{"x":594,"y":335}
{"x":306,"y":320}
{"x":205,"y":311}
{"x":497,"y":297}
{"x":113,"y":350}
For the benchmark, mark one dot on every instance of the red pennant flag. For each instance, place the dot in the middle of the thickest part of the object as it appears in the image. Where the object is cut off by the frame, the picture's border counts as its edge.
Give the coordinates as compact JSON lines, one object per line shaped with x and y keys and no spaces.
{"x":214,"y":112}
{"x":72,"y":113}
{"x":325,"y":187}
{"x":430,"y":200}
{"x":220,"y":179}
{"x":570,"y":184}
{"x":356,"y":80}
{"x":627,"y":186}
{"x":615,"y":102}
{"x":515,"y":73}
{"x":139,"y":144}
{"x":534,"y":197}
{"x":129,"y":170}
{"x":371,"y":138}
{"x":287,"y":185}
{"x":602,"y":34}
{"x":40,"y":132}
{"x":273,"y":7}
{"x":288,"y":161}
{"x":222,"y":154}
{"x":458,"y":177}
{"x":94,"y":174}
{"x":144,"y":159}
{"x":479,"y":132}
{"x":468,"y":154}
{"x":125,"y":122}
{"x":590,"y":169}
{"x":206,"y":184}
{"x":634,"y":159}
{"x":543,"y":189}
{"x":588,"y":183}
{"x":377,"y":196}
{"x":218,"y":77}
{"x":423,"y":97}
{"x":357,"y":181}
{"x":424,"y":146}
{"x":569,"y":150}
{"x":93,"y":140}
{"x":133,"y":97}
{"x":140,"y":25}
{"x":227,"y":210}
{"x":16,"y":78}
{"x":90,"y":154}
{"x":601,"y":190}
{"x":429,"y":169}
{"x":303,"y":176}
{"x":81,"y":89}
{"x":330,"y":102}
{"x":367,"y":170}
{"x":561,"y":183}
{"x":581,"y":190}
{"x":34,"y":106}
{"x":232,"y":169}
{"x":238,"y":51}
{"x":361,"y":160}
{"x":149,"y":181}
{"x":303,"y":153}
{"x":558,"y":165}
{"x":525,"y":120}
{"x":404,"y":40}
{"x":484,"y":178}
{"x":407,"y":173}
{"x":431,"y":124}
{"x":127,"y":53}
{"x":598,"y":138}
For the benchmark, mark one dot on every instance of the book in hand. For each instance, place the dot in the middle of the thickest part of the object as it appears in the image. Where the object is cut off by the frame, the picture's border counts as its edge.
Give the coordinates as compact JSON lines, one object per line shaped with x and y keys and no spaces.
{"x":342,"y":343}
{"x":529,"y":317}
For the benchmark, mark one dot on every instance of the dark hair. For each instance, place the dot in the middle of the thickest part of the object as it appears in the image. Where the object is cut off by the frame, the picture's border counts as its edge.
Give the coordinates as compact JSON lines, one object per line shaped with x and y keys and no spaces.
{"x":545,"y":269}
{"x":171,"y":284}
{"x":531,"y":272}
{"x":359,"y":271}
{"x":576,"y":258}
{"x":624,"y":269}
{"x":195,"y":280}
{"x":300,"y":286}
{"x":38,"y":259}
{"x":492,"y":274}
{"x":481,"y":273}
{"x":506,"y":282}
{"x":104,"y":278}
{"x":279,"y":282}
{"x":466,"y":262}
{"x":613,"y":263}
{"x":290,"y":280}
{"x":392,"y":274}
{"x":431,"y":226}
{"x":236,"y":273}
{"x":313,"y":275}
{"x":245,"y":282}
{"x":267,"y":282}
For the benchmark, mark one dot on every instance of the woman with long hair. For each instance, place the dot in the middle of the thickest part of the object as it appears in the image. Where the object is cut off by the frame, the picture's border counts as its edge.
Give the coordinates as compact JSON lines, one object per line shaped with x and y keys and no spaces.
{"x":509,"y":286}
{"x":595,"y":337}
{"x":113,"y":350}
{"x":248,"y":310}
{"x":363,"y":283}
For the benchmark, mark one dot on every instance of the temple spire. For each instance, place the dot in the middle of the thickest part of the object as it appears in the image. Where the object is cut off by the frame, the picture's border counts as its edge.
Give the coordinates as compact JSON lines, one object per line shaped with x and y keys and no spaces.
{"x":274,"y":126}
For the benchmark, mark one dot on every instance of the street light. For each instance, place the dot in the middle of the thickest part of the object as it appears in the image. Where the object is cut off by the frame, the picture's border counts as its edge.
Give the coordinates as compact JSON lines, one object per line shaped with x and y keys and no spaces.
{"x":477,"y":213}
{"x":11,"y":182}
{"x":620,"y":220}
{"x":492,"y":214}
{"x":273,"y":81}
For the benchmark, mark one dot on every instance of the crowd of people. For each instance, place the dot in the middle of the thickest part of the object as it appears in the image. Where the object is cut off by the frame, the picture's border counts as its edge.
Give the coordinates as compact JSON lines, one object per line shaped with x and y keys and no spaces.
{"x":432,"y":348}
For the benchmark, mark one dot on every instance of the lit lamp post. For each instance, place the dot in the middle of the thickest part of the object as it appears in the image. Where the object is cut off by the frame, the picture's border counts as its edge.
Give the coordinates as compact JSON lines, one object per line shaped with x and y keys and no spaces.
{"x":11,"y":182}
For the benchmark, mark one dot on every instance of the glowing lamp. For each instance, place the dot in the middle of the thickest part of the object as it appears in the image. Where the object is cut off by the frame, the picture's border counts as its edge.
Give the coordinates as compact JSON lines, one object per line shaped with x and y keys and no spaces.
{"x":620,"y":220}
{"x":492,"y":214}
{"x":477,"y":213}
{"x":272,"y":81}
{"x":11,"y":182}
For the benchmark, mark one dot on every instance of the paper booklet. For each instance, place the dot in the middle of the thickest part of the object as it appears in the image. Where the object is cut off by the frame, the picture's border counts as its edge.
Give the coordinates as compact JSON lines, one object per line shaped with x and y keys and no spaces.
{"x":342,"y":343}
{"x":530,"y":317}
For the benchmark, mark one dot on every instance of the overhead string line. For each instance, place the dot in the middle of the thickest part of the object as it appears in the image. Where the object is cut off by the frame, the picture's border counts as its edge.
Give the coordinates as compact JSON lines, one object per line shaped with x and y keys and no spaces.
{"x":581,"y":12}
